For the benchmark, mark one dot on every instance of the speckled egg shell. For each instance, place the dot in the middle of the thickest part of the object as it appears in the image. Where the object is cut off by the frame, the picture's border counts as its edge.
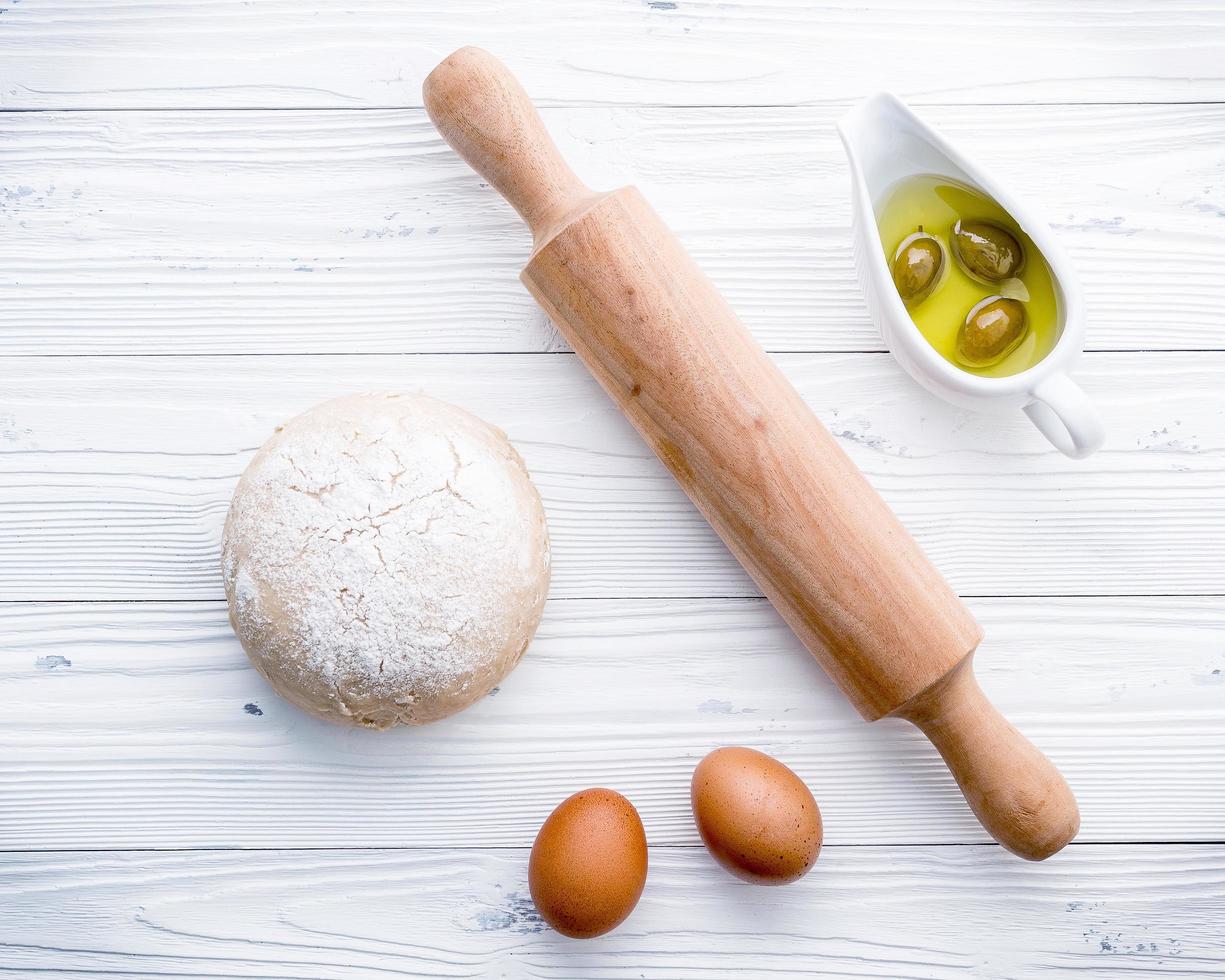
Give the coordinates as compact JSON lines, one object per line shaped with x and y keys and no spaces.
{"x":755,"y":816}
{"x":589,"y":864}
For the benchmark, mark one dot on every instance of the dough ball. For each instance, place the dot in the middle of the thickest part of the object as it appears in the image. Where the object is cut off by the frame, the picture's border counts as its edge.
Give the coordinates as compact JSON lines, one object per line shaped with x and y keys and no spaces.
{"x":386,"y":559}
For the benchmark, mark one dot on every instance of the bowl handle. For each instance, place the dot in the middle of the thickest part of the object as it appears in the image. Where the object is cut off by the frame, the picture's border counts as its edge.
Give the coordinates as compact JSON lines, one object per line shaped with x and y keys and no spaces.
{"x":1063,"y":413}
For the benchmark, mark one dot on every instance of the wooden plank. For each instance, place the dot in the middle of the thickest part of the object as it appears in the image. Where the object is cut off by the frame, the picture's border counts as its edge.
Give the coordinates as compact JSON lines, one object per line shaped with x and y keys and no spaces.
{"x":241,"y":232}
{"x":287,"y":53}
{"x":931,"y":913}
{"x":116,"y":473}
{"x":135,"y":725}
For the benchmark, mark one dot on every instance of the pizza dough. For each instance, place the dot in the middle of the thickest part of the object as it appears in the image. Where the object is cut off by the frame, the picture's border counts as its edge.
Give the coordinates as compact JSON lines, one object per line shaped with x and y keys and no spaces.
{"x":386,"y":559}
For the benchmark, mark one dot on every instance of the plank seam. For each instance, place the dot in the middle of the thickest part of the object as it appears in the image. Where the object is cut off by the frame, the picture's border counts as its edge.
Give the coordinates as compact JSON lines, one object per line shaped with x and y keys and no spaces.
{"x":543,"y":104}
{"x":655,"y":598}
{"x":539,"y":353}
{"x":478,"y":848}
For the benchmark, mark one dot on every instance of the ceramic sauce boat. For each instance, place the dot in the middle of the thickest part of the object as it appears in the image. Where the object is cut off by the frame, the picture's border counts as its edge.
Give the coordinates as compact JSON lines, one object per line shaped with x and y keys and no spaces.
{"x":886,"y":142}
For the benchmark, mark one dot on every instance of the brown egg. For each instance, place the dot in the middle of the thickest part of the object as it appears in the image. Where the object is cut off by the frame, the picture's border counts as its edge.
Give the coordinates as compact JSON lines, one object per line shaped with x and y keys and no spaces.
{"x":588,"y":864}
{"x":755,"y":816}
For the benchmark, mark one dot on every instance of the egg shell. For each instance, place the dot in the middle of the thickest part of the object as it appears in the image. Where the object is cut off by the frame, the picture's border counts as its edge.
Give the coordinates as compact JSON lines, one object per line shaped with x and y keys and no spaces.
{"x":755,"y":816}
{"x":589,"y":864}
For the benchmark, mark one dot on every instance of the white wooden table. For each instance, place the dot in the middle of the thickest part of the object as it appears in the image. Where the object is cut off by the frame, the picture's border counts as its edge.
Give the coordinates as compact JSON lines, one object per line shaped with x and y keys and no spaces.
{"x":215,"y":214}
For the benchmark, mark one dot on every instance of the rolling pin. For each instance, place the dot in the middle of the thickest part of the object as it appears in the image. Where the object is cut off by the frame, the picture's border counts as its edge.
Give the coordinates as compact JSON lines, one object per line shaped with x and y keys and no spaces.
{"x":792,"y":507}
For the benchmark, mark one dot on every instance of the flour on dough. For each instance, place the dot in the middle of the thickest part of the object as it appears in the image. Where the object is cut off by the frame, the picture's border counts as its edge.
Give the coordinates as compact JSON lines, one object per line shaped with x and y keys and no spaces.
{"x":386,"y":559}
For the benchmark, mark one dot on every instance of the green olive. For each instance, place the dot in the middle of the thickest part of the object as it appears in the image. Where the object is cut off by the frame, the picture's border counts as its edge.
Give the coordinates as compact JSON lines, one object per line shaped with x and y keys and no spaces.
{"x":918,"y":267}
{"x":992,"y":331}
{"x":987,"y":252}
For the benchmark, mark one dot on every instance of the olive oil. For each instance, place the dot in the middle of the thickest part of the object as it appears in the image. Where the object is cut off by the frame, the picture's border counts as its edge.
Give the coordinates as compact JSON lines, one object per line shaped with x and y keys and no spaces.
{"x":931,"y":206}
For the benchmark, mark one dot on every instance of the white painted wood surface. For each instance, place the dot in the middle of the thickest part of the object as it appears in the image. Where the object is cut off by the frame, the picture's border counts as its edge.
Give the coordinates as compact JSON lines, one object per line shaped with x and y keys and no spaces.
{"x":117,"y":472}
{"x":277,"y":232}
{"x":310,"y":53}
{"x":144,"y":726}
{"x":1099,"y":913}
{"x":190,"y":180}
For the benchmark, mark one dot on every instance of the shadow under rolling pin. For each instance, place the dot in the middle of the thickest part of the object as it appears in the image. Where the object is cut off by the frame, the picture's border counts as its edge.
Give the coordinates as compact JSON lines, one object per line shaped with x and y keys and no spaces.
{"x":819,"y":541}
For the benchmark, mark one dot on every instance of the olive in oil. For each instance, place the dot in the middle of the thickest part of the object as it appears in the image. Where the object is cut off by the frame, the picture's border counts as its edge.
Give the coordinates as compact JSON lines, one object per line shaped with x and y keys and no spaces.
{"x":932,"y":206}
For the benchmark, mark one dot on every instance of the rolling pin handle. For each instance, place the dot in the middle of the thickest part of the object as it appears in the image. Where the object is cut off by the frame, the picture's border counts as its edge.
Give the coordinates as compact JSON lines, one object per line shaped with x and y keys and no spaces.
{"x":482,"y":111}
{"x":1013,"y":789}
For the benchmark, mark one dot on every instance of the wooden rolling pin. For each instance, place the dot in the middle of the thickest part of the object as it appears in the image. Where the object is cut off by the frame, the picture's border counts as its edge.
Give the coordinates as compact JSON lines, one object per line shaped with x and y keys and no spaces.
{"x":792,"y":507}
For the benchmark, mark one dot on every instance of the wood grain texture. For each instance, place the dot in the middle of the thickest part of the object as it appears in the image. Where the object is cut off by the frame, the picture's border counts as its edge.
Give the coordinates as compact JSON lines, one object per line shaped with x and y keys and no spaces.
{"x":115,"y":473}
{"x":284,"y":232}
{"x":1021,"y":799}
{"x":737,"y":437}
{"x":133,"y":725}
{"x":288,"y":53}
{"x":1100,"y":913}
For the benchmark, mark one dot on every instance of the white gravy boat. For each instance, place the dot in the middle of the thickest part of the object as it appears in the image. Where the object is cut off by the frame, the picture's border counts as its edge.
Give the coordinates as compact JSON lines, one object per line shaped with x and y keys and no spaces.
{"x":886,"y":142}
